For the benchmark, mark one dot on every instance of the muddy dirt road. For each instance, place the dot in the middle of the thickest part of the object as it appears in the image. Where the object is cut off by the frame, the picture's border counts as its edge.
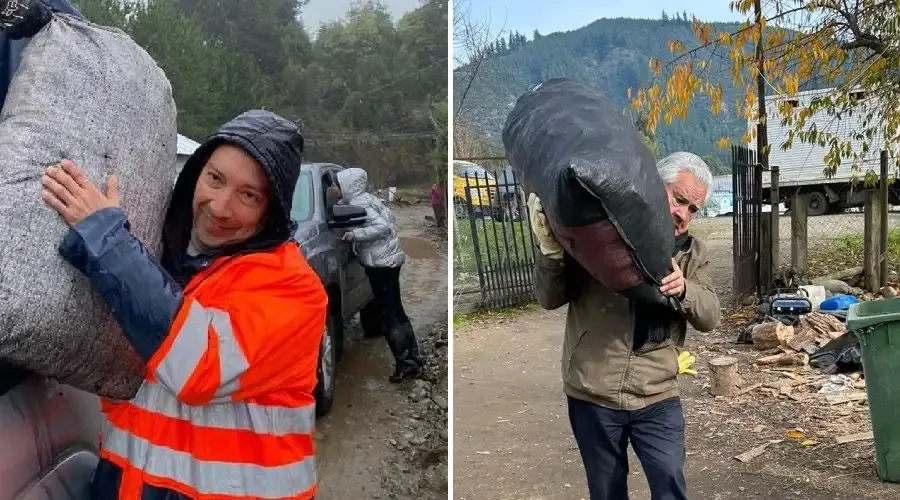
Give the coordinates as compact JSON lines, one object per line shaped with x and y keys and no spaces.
{"x":357,"y":450}
{"x":512,"y":438}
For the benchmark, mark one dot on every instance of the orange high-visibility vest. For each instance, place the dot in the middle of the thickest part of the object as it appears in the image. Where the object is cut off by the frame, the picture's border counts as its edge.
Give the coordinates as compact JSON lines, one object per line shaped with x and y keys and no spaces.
{"x":227,"y":409}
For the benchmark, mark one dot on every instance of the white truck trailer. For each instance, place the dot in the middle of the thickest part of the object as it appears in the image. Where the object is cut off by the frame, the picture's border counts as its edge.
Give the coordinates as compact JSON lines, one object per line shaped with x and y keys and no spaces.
{"x":801,"y":168}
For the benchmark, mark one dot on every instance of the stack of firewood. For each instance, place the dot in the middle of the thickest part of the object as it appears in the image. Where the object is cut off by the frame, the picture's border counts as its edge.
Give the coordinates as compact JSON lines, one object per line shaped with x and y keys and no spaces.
{"x":790,"y":346}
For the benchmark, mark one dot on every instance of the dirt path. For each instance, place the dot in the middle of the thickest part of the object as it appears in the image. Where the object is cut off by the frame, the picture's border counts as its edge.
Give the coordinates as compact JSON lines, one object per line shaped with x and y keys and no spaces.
{"x":512,"y":438}
{"x":357,"y":451}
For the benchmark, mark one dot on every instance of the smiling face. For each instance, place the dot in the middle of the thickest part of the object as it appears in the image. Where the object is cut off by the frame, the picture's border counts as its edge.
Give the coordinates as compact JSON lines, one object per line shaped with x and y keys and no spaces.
{"x":230,"y":199}
{"x":686,"y":196}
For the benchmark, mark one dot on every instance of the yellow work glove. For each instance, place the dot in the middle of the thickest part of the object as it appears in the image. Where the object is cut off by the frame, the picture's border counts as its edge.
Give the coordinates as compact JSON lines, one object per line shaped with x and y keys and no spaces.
{"x":685,"y":361}
{"x":541,"y":229}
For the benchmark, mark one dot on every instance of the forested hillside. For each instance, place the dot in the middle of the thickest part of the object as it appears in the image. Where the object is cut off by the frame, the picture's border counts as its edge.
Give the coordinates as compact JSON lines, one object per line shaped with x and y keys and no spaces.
{"x":368,"y":92}
{"x":612,"y":54}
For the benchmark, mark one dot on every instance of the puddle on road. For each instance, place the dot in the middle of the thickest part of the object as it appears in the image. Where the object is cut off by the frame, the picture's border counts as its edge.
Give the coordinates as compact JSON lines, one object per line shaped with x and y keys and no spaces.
{"x":417,"y":248}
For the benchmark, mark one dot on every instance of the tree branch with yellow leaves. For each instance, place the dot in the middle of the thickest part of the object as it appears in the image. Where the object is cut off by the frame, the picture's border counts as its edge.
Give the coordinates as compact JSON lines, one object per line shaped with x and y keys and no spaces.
{"x":851,"y":46}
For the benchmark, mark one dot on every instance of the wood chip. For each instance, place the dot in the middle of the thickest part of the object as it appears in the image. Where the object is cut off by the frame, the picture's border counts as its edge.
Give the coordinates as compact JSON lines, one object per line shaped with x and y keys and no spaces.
{"x":750,"y":388}
{"x":755,"y":452}
{"x":845,"y":397}
{"x":861,"y":436}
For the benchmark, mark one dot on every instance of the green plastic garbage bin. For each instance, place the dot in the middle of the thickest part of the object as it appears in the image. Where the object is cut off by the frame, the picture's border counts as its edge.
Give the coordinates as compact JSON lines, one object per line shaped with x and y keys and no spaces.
{"x":877,"y":324}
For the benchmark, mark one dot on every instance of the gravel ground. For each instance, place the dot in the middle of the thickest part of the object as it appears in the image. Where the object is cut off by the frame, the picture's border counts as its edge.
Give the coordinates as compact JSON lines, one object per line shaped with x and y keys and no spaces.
{"x":512,"y":438}
{"x":383,"y":440}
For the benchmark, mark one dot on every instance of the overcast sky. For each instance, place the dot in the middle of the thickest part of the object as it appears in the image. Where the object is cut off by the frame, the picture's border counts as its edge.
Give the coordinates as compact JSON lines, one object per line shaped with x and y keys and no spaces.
{"x":322,"y":11}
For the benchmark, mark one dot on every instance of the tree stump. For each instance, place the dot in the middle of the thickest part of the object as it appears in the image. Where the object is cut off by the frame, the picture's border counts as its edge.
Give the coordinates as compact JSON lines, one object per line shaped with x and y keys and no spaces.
{"x":771,"y":335}
{"x":724,"y":378}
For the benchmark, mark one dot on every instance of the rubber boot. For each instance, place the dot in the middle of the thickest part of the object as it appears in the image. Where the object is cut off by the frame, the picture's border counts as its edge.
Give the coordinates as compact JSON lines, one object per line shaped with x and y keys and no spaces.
{"x":405,"y":348}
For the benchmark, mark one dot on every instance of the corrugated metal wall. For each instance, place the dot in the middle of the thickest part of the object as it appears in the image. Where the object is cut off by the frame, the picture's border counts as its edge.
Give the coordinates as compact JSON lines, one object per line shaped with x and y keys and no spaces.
{"x":804,"y":163}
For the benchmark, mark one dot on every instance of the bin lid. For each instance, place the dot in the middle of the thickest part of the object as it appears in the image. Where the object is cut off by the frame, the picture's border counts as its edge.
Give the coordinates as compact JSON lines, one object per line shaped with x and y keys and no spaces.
{"x":875,"y":312}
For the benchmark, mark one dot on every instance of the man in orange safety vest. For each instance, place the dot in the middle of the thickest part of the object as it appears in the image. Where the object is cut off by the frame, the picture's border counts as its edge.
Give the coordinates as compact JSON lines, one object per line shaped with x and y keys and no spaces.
{"x":229,"y":321}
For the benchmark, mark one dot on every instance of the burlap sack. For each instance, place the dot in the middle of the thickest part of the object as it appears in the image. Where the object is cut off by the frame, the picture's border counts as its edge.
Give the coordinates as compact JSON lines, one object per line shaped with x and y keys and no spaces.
{"x":90,"y":94}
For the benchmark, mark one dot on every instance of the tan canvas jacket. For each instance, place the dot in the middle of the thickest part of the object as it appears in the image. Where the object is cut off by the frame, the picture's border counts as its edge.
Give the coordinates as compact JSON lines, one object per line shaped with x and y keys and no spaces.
{"x":598,"y":363}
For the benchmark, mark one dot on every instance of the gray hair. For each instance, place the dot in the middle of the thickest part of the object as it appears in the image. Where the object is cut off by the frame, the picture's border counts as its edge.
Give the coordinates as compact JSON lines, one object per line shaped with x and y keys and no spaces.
{"x":672,"y":165}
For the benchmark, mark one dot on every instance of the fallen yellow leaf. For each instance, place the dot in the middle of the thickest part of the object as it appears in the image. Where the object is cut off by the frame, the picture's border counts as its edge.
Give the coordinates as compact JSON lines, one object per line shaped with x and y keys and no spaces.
{"x":794,"y":434}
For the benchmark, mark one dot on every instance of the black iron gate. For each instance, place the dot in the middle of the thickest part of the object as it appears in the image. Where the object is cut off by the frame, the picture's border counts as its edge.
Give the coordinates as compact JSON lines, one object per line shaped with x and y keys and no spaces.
{"x":493,"y":239}
{"x":747,"y":186}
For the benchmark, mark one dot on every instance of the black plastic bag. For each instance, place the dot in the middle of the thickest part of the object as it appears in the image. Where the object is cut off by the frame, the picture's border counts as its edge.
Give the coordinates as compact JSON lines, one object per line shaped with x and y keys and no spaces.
{"x":841,"y":355}
{"x":598,"y":183}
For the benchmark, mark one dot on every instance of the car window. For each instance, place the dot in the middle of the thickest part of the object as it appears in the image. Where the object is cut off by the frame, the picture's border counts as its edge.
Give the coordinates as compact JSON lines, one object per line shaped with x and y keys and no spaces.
{"x":304,"y":198}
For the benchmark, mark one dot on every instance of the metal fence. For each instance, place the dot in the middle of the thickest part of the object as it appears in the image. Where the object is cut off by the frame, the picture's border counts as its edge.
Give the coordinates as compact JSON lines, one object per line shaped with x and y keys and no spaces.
{"x":493,"y":255}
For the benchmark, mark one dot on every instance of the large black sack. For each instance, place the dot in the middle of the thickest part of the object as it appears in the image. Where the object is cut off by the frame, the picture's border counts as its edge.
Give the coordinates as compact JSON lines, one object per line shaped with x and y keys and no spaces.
{"x":92,"y":95}
{"x":598,"y":183}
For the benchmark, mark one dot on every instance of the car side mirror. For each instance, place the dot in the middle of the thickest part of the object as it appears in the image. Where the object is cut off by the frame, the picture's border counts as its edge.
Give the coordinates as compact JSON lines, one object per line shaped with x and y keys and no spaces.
{"x":344,"y":216}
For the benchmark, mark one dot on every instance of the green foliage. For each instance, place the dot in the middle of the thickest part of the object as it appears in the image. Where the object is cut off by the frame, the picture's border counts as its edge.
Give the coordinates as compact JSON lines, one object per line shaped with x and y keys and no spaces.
{"x":366,"y":91}
{"x":611,"y":54}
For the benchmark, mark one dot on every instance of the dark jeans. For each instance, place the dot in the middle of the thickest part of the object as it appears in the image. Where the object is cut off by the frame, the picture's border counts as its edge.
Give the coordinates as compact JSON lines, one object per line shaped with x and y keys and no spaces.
{"x":439,"y":214}
{"x":657,"y":435}
{"x":401,"y":338}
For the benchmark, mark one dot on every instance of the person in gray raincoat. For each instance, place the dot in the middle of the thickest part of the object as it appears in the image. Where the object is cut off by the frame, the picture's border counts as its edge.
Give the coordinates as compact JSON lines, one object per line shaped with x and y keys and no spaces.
{"x":378,"y":249}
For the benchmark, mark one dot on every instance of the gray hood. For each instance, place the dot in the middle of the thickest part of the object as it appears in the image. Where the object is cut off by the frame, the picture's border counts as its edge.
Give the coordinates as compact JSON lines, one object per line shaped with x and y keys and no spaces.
{"x":376,"y":243}
{"x":353,"y":182}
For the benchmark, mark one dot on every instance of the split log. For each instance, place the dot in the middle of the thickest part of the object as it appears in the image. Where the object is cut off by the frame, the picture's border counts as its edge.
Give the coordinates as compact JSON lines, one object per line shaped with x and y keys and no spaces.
{"x":825,"y":324}
{"x":724,"y":378}
{"x":786,"y":359}
{"x":804,"y":335}
{"x":771,"y":335}
{"x":839,"y":275}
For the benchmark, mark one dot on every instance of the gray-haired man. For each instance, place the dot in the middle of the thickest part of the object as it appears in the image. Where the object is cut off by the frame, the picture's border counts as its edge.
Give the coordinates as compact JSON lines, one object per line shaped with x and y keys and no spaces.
{"x":620,"y":389}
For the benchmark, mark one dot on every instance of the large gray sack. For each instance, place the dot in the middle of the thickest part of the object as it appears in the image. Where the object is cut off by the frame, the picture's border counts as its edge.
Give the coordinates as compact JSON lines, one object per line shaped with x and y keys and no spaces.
{"x":90,"y":94}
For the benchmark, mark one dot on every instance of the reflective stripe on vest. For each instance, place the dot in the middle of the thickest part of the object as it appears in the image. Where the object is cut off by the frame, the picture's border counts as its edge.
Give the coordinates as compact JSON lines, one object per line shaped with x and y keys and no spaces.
{"x":274,"y":420}
{"x":212,"y":478}
{"x":227,"y":447}
{"x":191,"y":344}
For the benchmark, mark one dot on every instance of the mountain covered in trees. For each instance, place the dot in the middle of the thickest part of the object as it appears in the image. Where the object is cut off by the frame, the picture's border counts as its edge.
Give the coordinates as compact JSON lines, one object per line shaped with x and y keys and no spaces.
{"x":611,"y":54}
{"x":366,"y":90}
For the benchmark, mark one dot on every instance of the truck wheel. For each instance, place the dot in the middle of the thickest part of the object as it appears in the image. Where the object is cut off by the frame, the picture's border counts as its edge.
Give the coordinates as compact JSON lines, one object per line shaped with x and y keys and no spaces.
{"x":370,"y":320}
{"x":459,"y":208}
{"x":818,"y":203}
{"x":326,"y":370}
